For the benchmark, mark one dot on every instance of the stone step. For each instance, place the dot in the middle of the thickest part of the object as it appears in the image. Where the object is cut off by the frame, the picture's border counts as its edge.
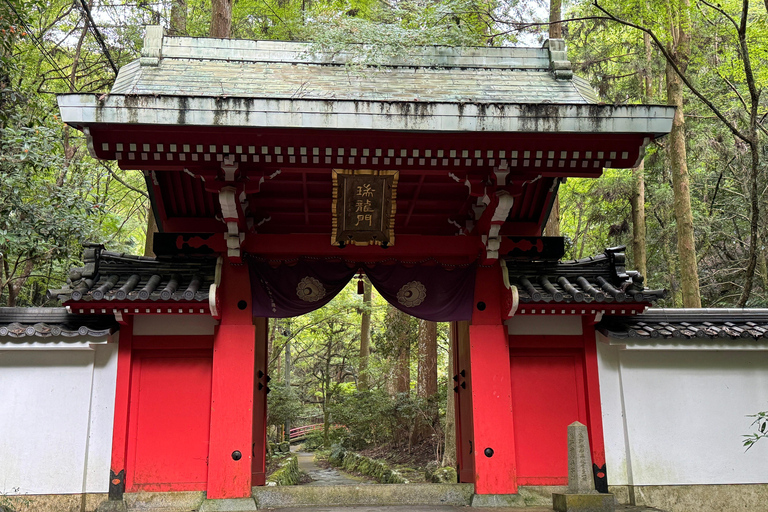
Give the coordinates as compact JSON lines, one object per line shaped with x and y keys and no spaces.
{"x":163,"y":501}
{"x":458,"y":495}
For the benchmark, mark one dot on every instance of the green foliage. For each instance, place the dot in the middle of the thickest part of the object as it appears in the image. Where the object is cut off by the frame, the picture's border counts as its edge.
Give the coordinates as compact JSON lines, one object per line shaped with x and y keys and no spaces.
{"x":760,"y":426}
{"x":624,"y":69}
{"x":377,"y":469}
{"x":366,"y":417}
{"x":53,"y":196}
{"x":374,"y":418}
{"x":287,"y":473}
{"x":283,"y":405}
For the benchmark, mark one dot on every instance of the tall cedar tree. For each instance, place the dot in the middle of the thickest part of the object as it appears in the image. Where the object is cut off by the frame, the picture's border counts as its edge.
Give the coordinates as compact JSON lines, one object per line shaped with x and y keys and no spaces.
{"x":552,"y":227}
{"x":426,"y":381}
{"x":363,"y":380}
{"x":679,"y":50}
{"x":221,"y":18}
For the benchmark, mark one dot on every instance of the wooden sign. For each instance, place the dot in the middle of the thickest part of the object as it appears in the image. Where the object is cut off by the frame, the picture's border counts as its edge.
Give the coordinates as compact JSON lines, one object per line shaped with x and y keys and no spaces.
{"x":364,"y":207}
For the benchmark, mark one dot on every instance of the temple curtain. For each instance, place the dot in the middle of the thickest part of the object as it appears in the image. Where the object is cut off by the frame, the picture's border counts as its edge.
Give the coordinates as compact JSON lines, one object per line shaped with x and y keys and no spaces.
{"x":429,"y":291}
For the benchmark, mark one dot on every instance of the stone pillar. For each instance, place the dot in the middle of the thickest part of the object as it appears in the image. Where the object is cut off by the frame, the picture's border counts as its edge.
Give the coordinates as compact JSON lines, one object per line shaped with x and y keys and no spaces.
{"x":494,"y":445}
{"x":581,"y":495}
{"x":231,"y":438}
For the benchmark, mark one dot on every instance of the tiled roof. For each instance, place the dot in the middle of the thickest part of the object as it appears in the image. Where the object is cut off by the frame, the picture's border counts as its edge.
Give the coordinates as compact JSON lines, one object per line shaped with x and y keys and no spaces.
{"x":602,"y":279}
{"x":689,"y":324}
{"x":111,"y":276}
{"x":53,"y":322}
{"x":208,"y":67}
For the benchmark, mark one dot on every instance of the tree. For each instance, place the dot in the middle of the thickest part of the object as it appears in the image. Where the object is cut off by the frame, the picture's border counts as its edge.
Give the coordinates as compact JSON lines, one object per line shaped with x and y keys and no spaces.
{"x":678,"y":49}
{"x":449,"y":452}
{"x":365,"y":337}
{"x":283,"y":407}
{"x":552,"y":227}
{"x":426,"y":381}
{"x":426,"y":384}
{"x":747,"y":127}
{"x":399,"y":334}
{"x":221,"y":18}
{"x":178,"y":25}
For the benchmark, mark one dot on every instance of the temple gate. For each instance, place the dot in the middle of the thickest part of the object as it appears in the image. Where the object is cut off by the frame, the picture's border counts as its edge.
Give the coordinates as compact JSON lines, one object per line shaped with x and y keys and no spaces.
{"x":277,"y":172}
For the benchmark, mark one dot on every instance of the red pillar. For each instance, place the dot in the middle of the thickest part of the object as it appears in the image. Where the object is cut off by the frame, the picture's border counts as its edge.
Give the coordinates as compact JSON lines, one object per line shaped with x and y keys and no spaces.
{"x":594,"y":408}
{"x":230,"y":449}
{"x":462,"y":387}
{"x":122,"y":402}
{"x":494,"y":445}
{"x":259,"y":465}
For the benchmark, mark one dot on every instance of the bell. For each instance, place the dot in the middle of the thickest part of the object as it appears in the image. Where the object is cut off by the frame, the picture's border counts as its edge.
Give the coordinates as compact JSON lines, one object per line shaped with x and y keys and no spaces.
{"x":360,"y":286}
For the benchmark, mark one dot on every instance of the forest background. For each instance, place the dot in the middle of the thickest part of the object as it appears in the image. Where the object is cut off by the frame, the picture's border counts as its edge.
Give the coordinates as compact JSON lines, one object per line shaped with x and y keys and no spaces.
{"x":693,"y":215}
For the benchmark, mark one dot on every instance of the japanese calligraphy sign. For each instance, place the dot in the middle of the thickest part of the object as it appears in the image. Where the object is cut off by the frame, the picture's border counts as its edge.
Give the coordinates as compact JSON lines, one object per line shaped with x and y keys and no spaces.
{"x":364,"y":207}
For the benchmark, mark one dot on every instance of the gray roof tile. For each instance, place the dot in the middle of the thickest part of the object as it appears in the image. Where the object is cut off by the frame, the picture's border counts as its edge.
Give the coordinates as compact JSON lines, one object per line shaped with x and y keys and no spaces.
{"x":656,"y":324}
{"x":53,"y":323}
{"x":110,"y":276}
{"x":275,"y":69}
{"x":602,"y":279}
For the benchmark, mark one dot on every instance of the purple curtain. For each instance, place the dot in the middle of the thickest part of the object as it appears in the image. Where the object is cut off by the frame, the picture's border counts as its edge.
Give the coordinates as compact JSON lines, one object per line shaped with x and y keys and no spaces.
{"x":293,"y":289}
{"x":431,"y":292}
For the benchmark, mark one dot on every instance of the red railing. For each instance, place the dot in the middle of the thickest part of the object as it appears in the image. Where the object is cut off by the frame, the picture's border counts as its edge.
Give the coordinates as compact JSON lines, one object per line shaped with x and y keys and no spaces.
{"x":298,"y":432}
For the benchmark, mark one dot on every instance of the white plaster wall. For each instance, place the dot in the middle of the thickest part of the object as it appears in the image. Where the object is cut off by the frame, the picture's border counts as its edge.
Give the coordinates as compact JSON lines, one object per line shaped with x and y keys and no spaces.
{"x":57,"y":410}
{"x":544,"y":325}
{"x":678,"y":416}
{"x":173,"y":325}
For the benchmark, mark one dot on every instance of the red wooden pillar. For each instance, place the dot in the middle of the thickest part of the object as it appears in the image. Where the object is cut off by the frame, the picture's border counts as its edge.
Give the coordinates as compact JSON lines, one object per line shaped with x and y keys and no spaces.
{"x":494,"y":446}
{"x":594,"y":408}
{"x":462,"y":387}
{"x":122,"y":402}
{"x":259,"y":465}
{"x":230,"y":449}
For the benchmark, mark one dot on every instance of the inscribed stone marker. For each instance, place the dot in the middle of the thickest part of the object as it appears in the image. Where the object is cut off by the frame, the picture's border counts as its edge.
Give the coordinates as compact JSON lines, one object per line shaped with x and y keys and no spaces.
{"x":580,"y":480}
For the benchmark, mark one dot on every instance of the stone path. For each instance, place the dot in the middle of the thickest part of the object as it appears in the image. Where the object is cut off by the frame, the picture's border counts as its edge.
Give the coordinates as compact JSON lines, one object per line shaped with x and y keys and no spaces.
{"x":436,"y":508}
{"x":322,"y":476}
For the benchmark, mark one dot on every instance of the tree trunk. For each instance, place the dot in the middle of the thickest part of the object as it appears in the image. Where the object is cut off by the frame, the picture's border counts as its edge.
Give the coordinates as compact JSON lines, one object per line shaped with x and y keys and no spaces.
{"x":221,"y":18}
{"x":179,"y":18}
{"x":555,"y":14}
{"x":638,"y":219}
{"x":287,"y":381}
{"x":552,"y":227}
{"x":754,"y":213}
{"x":15,"y":285}
{"x":427,"y":369}
{"x":363,"y":383}
{"x":149,"y":242}
{"x":763,"y":262}
{"x":326,"y":397}
{"x":426,"y":381}
{"x":449,"y":452}
{"x":69,"y":149}
{"x":686,"y":247}
{"x":403,"y":375}
{"x":403,"y":364}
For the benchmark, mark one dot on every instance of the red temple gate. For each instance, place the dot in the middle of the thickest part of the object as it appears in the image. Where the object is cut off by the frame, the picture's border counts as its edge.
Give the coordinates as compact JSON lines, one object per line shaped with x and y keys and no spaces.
{"x":245,"y":179}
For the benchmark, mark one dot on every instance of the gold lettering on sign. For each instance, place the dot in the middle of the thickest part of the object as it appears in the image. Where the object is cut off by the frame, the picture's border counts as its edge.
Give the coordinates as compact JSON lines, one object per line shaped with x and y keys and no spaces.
{"x":363,"y":207}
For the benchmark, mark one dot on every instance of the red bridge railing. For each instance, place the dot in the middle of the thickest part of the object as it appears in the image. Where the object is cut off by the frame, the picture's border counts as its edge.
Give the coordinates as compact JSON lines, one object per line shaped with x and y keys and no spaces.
{"x":299,"y":432}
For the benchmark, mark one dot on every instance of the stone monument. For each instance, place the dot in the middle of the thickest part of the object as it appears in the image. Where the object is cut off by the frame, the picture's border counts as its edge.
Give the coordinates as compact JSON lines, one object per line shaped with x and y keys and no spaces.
{"x":581,"y":495}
